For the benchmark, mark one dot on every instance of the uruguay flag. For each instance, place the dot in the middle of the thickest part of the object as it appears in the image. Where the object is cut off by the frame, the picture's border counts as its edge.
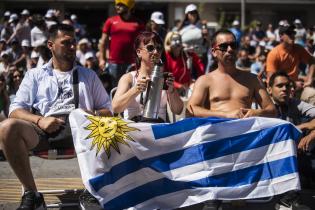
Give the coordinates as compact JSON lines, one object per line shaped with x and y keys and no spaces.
{"x":167,"y":166}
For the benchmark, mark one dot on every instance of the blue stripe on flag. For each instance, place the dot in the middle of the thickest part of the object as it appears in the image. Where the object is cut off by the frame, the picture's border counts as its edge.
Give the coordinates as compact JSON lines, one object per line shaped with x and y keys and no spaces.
{"x":198,"y":153}
{"x":237,"y":178}
{"x":165,"y":130}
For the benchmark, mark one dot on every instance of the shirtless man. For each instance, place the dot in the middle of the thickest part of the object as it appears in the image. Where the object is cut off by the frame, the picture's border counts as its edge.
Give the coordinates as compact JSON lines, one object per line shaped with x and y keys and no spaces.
{"x":227,"y":91}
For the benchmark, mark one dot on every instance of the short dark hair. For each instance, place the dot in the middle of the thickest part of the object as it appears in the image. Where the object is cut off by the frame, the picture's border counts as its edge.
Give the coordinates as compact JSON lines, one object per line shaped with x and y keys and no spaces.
{"x":53,"y":31}
{"x":221,"y":31}
{"x":277,"y":74}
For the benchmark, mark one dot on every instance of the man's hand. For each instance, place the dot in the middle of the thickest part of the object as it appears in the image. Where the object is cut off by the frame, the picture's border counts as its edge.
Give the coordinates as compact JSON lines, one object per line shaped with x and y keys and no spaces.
{"x":235,"y":114}
{"x":249,"y":112}
{"x":307,"y":142}
{"x":50,"y":124}
{"x":102,"y":64}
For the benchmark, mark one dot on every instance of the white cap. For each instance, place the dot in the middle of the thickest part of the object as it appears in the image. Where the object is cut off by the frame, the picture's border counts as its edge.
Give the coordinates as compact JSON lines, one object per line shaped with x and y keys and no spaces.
{"x":50,"y":13}
{"x":190,"y":8}
{"x":13,"y":17}
{"x":39,"y":42}
{"x":236,"y":23}
{"x":262,"y":43}
{"x":7,"y":13}
{"x":25,"y":12}
{"x":73,"y":17}
{"x":4,"y":53}
{"x":34,"y":54}
{"x":158,"y":18}
{"x":88,"y":55}
{"x":25,"y":43}
{"x":297,"y":21}
{"x":83,"y":41}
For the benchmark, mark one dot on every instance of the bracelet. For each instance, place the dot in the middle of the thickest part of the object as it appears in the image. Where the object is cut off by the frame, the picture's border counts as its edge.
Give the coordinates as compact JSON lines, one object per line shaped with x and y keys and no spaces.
{"x":38,"y":120}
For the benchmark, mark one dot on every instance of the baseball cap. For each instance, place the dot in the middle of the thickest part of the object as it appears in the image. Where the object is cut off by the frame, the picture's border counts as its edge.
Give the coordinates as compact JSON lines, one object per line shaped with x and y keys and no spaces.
{"x":7,"y":14}
{"x":158,"y":18}
{"x":25,"y":12}
{"x":129,"y":3}
{"x":236,"y":23}
{"x":297,"y":21}
{"x":34,"y":54}
{"x":88,"y":55}
{"x":190,"y":8}
{"x":13,"y":17}
{"x":25,"y":43}
{"x":73,"y":17}
{"x":286,"y":29}
{"x":3,"y":53}
{"x":83,"y":41}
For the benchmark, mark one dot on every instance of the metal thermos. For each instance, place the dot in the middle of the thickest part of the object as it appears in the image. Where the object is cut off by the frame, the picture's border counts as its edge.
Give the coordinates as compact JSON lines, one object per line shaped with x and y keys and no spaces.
{"x":153,"y":93}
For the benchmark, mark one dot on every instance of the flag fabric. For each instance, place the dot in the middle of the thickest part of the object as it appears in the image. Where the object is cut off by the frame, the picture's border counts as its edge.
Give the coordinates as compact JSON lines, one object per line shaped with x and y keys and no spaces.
{"x":166,"y":166}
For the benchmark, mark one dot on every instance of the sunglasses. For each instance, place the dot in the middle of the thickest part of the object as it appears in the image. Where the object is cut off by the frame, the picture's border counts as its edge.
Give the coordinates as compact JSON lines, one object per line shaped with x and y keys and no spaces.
{"x":150,"y":48}
{"x":225,"y":46}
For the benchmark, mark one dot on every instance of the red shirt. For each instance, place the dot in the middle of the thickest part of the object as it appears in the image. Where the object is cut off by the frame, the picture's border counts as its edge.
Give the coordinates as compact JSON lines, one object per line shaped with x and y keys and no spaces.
{"x":179,"y":69}
{"x":122,"y":35}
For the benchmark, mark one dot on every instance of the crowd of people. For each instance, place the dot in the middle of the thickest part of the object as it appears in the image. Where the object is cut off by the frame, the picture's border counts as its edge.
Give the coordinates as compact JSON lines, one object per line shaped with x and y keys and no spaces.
{"x":232,"y":73}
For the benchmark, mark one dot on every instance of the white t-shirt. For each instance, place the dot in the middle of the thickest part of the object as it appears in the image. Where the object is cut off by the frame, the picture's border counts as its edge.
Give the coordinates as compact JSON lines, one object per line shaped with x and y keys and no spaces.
{"x":64,"y":103}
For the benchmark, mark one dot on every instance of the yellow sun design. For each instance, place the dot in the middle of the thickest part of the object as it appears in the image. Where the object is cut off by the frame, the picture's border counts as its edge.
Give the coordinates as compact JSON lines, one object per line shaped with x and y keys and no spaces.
{"x":108,"y":132}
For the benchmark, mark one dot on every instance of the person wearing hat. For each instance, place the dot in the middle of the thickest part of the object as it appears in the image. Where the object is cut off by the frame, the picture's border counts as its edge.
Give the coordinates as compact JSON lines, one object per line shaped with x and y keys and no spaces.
{"x":156,"y":24}
{"x":287,"y":56}
{"x":79,"y":29}
{"x":235,"y":29}
{"x":83,"y":48}
{"x":22,"y":31}
{"x":191,"y":30}
{"x":122,"y":30}
{"x":300,"y":35}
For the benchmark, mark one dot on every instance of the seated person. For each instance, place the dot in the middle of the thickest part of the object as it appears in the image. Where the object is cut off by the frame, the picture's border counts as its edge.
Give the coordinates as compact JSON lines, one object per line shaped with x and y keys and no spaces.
{"x":53,"y":91}
{"x":132,"y":86}
{"x":182,"y":63}
{"x":302,"y":115}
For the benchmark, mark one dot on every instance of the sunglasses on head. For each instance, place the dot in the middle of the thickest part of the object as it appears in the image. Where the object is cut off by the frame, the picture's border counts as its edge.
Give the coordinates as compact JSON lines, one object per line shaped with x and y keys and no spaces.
{"x":150,"y":48}
{"x":225,"y":46}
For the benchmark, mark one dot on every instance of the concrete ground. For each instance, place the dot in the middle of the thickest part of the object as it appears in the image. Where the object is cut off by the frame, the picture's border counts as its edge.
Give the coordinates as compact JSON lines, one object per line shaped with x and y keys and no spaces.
{"x":65,"y":174}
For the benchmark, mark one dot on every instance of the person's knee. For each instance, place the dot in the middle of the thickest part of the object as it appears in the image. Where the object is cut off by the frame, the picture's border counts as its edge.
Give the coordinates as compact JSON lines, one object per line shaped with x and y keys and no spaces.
{"x":9,"y":129}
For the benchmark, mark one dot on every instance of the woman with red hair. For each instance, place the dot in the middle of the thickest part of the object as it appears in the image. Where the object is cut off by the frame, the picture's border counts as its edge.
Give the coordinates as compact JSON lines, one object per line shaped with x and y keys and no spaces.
{"x":132,"y":86}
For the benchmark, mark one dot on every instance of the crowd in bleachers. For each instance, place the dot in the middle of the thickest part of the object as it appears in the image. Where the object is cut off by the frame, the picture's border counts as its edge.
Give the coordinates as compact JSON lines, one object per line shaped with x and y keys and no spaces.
{"x":23,"y":39}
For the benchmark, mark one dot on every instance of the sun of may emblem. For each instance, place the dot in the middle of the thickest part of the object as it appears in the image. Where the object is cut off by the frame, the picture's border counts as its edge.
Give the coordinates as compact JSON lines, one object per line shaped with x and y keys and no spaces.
{"x":107,"y":132}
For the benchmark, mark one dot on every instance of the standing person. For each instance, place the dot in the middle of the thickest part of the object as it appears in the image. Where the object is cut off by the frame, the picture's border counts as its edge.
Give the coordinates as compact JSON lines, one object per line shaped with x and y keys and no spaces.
{"x":190,"y":29}
{"x":121,"y":30}
{"x":227,"y":91}
{"x":235,"y":29}
{"x":132,"y":86}
{"x":54,"y":90}
{"x":156,"y":24}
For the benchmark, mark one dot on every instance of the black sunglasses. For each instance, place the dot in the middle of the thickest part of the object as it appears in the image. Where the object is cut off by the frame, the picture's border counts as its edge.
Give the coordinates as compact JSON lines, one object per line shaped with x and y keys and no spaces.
{"x":150,"y":48}
{"x":225,"y":46}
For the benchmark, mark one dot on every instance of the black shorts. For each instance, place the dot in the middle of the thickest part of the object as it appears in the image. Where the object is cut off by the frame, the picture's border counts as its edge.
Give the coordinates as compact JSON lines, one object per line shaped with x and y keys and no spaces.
{"x":61,"y":139}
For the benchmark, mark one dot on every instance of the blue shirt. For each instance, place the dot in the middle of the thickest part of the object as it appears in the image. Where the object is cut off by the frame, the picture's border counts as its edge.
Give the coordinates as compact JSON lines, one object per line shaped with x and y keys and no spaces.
{"x":39,"y":89}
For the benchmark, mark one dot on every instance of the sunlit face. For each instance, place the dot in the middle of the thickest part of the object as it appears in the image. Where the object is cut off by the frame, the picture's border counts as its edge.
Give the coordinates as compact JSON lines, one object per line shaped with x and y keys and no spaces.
{"x":225,"y":49}
{"x":280,"y":91}
{"x":150,"y":53}
{"x":17,"y":77}
{"x":63,"y":47}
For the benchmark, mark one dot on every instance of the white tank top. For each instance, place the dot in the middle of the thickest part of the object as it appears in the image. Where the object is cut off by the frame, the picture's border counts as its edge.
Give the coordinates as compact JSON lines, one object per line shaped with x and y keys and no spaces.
{"x":134,"y":107}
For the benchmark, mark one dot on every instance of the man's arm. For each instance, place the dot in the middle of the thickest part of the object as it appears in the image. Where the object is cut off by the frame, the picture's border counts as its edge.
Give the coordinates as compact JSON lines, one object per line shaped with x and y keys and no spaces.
{"x":310,"y":74}
{"x":271,"y":64}
{"x":103,"y":44}
{"x":261,"y":96}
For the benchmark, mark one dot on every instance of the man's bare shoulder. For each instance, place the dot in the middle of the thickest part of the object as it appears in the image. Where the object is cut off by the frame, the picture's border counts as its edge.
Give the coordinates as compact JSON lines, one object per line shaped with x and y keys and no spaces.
{"x":248,"y":77}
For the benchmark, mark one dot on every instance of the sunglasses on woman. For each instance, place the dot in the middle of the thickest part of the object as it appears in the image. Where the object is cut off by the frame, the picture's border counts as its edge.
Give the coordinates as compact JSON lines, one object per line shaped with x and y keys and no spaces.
{"x":150,"y":48}
{"x":224,"y":46}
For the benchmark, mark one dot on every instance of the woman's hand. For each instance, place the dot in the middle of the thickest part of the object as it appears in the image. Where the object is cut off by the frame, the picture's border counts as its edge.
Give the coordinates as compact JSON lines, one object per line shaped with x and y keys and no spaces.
{"x":141,"y":84}
{"x":170,"y":82}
